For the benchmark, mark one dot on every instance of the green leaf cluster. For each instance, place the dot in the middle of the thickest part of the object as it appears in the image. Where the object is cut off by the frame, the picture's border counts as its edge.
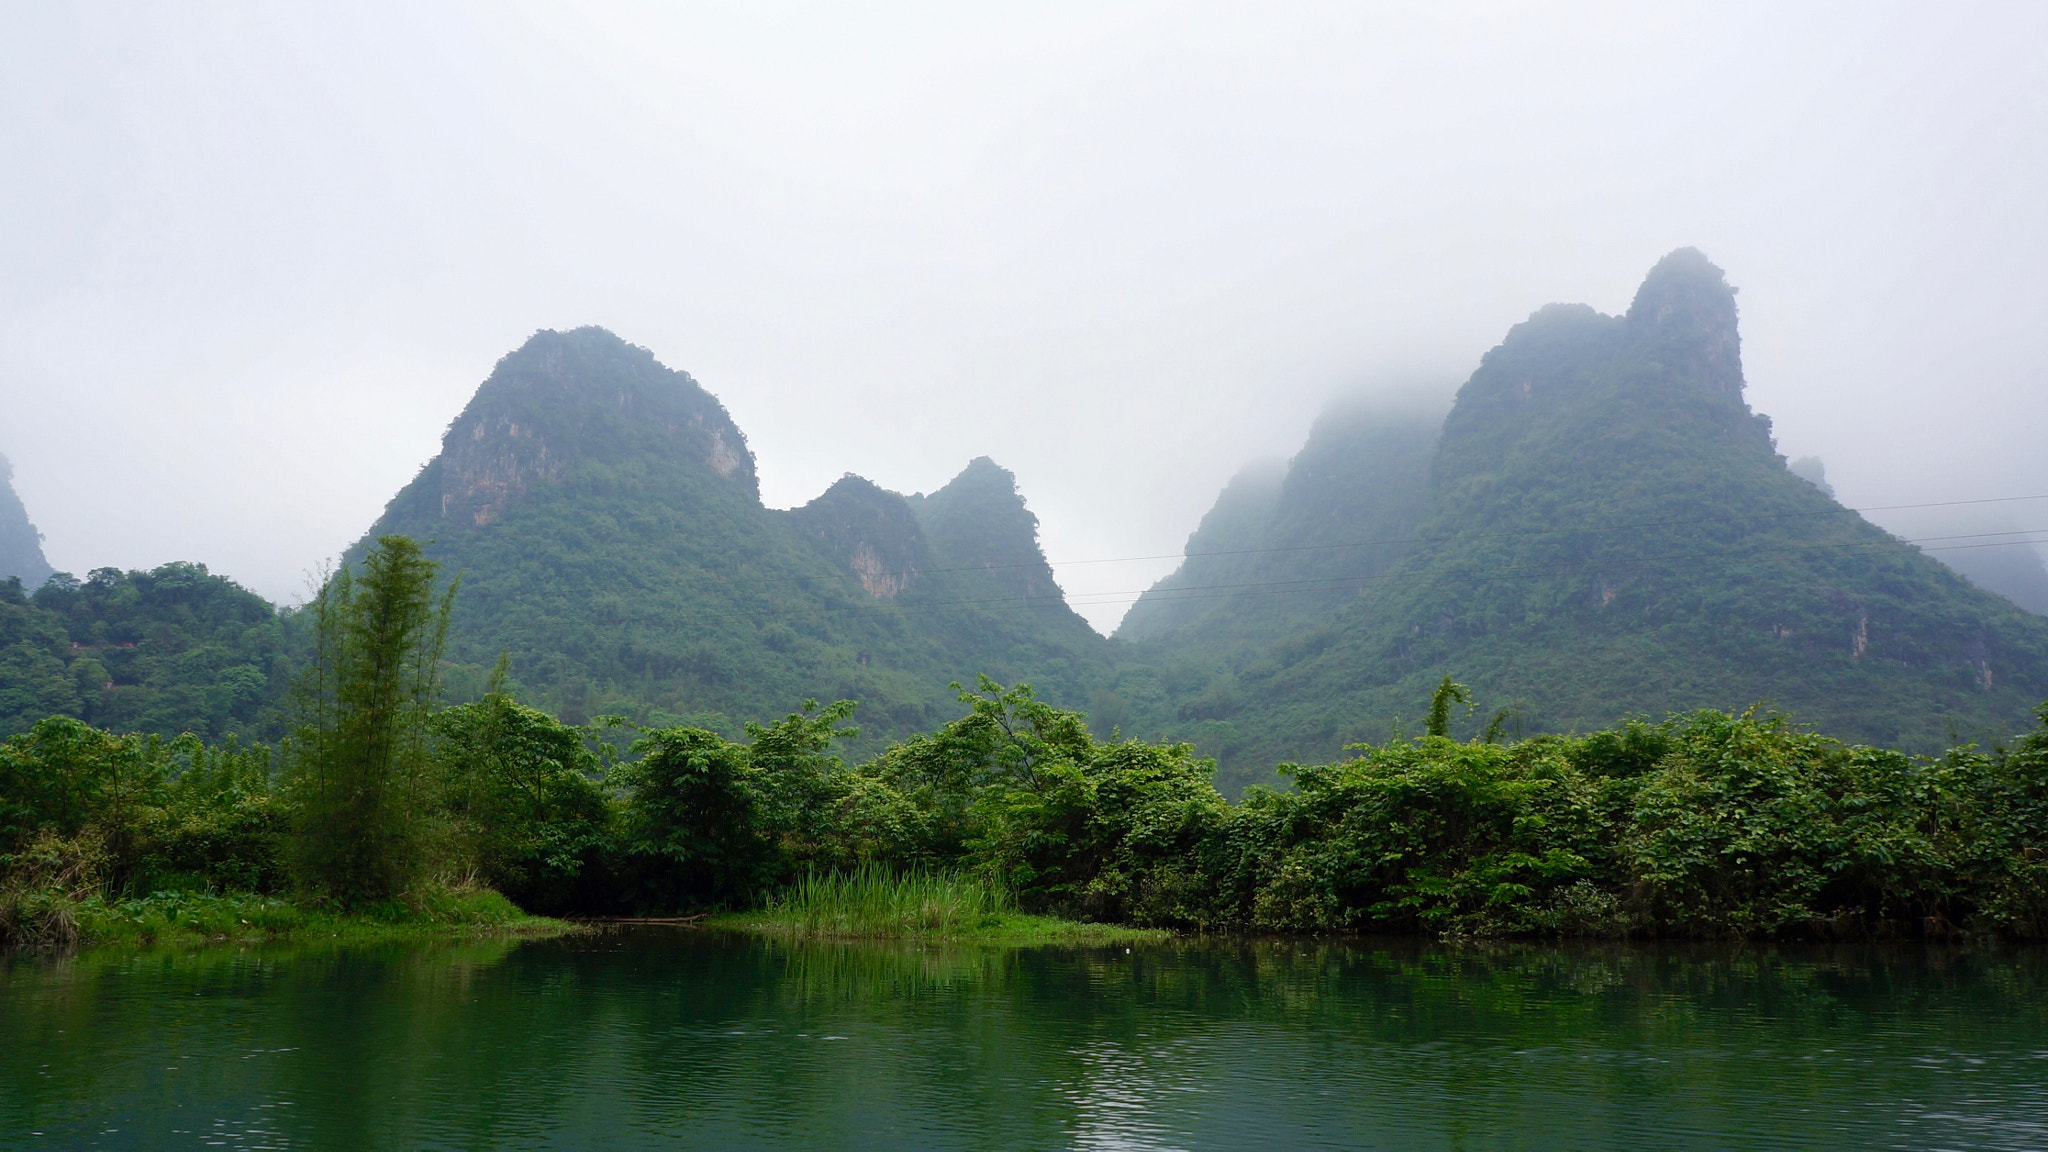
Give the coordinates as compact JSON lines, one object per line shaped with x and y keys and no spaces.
{"x":1706,"y":824}
{"x":176,"y":649}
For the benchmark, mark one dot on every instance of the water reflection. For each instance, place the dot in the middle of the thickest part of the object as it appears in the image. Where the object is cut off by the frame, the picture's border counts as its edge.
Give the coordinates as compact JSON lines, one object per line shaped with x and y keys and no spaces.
{"x":665,"y":1038}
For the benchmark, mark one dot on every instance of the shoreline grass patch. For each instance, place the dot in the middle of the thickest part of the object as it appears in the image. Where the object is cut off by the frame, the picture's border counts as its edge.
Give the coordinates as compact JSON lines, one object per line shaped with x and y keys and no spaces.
{"x":877,"y":903}
{"x":56,"y":919}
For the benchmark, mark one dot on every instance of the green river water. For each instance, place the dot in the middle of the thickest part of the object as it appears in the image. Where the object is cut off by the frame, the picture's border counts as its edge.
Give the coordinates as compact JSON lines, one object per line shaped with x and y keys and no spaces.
{"x":672,"y":1038}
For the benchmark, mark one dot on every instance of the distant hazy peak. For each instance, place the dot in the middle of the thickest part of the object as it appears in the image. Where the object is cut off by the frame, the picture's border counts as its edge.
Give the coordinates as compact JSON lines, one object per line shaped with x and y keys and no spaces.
{"x":979,"y":520}
{"x":583,"y":394}
{"x":1685,"y":308}
{"x":1242,"y":514}
{"x":869,"y":529}
{"x":21,"y":546}
{"x":1811,"y":470}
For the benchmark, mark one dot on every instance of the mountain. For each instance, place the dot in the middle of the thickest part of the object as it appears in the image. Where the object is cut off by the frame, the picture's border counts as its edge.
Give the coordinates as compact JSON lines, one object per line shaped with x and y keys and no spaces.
{"x":1982,"y":541}
{"x":2013,"y":570}
{"x":175,"y":649}
{"x":1285,"y":547}
{"x":21,"y":546}
{"x":605,"y":517}
{"x":1601,"y":527}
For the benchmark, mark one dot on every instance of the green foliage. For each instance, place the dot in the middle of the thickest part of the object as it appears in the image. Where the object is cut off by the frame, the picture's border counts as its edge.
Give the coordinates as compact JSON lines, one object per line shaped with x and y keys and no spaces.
{"x":169,"y":651}
{"x":1706,"y":824}
{"x":696,"y":823}
{"x":1447,"y":693}
{"x":522,"y":798}
{"x":362,"y":745}
{"x":876,"y":901}
{"x":1602,"y":528}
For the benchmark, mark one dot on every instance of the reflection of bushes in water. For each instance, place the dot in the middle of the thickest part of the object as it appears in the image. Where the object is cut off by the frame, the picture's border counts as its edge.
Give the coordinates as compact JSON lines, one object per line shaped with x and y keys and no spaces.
{"x":254,"y":961}
{"x":866,"y":971}
{"x":375,"y":1011}
{"x":1397,"y":988}
{"x":1392,"y":990}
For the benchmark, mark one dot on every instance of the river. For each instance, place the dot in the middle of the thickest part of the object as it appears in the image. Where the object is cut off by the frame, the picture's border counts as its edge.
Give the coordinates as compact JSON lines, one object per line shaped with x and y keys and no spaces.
{"x":677,"y":1038}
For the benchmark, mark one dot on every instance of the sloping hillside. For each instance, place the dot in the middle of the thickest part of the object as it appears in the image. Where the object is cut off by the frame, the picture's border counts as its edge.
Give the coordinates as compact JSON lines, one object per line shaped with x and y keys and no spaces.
{"x":605,"y":517}
{"x":21,"y":546}
{"x":1606,"y":528}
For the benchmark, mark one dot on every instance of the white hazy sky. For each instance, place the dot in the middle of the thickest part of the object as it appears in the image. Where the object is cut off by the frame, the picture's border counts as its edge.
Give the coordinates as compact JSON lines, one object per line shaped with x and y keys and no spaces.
{"x":253,"y":258}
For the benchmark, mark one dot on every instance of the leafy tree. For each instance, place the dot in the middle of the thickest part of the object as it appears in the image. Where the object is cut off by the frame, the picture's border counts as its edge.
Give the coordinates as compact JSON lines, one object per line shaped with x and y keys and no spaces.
{"x":522,"y":795}
{"x":64,"y":776}
{"x":693,"y":832}
{"x":363,"y":740}
{"x":1447,"y":693}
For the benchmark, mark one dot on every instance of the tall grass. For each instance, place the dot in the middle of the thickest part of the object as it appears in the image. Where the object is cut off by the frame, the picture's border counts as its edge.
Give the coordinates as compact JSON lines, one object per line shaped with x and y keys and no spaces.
{"x":874,"y":901}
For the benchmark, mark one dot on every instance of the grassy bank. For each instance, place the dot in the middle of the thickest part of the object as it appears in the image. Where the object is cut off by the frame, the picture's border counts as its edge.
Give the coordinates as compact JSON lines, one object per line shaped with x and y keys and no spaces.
{"x":876,"y":903}
{"x":178,"y":918}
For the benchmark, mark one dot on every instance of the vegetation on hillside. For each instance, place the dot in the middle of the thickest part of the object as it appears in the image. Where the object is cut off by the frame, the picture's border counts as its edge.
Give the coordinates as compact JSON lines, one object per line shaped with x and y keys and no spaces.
{"x":603,"y":512}
{"x":21,"y":546}
{"x":1606,"y":528}
{"x":1600,"y":527}
{"x":169,"y":651}
{"x":1704,"y":824}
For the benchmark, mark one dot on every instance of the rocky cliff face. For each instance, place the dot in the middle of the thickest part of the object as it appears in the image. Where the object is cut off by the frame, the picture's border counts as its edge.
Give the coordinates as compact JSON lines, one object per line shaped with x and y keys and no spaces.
{"x":605,"y":515}
{"x":870,"y":531}
{"x":21,"y":546}
{"x":564,"y":397}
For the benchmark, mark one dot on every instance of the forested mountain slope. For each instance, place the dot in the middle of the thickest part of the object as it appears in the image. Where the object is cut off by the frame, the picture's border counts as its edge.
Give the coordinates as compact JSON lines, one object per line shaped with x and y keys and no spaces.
{"x":176,"y":649}
{"x":1281,"y":550}
{"x":1996,"y":564}
{"x":1603,"y":528}
{"x":604,"y":515}
{"x":21,"y":546}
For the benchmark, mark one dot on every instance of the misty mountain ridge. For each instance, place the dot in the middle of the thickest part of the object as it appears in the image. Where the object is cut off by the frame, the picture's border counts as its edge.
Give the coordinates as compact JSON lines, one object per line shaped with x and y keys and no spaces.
{"x":1598,"y":526}
{"x":1983,"y":541}
{"x":605,"y":514}
{"x":21,"y":546}
{"x":1601,"y":527}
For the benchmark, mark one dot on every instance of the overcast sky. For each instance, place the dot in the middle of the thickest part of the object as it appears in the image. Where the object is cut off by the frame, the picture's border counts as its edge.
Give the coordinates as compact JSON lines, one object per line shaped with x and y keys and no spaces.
{"x":253,"y":258}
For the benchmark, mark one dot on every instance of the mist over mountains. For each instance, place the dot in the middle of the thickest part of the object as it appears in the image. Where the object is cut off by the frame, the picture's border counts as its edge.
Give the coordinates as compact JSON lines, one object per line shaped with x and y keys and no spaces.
{"x":1602,"y":527}
{"x":21,"y":546}
{"x":1599,"y":526}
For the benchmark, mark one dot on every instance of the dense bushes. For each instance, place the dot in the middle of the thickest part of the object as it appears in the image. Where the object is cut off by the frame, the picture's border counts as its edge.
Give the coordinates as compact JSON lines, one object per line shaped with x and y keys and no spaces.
{"x":1707,"y":824}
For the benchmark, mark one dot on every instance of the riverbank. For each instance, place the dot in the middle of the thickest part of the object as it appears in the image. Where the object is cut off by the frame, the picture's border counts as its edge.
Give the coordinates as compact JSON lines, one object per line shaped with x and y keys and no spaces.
{"x":194,"y":918}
